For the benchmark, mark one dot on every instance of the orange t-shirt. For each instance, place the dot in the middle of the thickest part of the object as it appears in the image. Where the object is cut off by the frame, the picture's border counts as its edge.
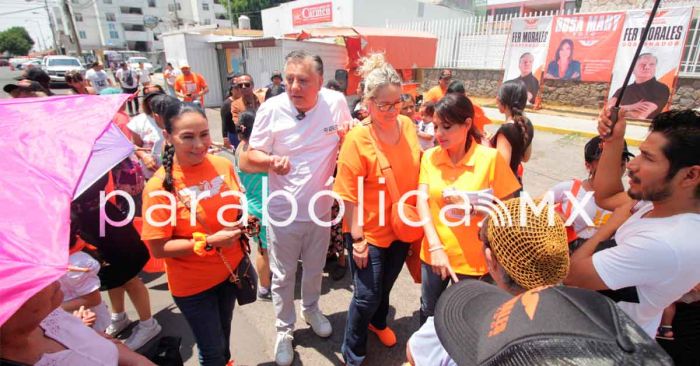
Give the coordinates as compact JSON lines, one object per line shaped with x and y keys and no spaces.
{"x":359,"y":159}
{"x":192,"y":83}
{"x":191,"y":274}
{"x":481,"y":168}
{"x":434,"y":94}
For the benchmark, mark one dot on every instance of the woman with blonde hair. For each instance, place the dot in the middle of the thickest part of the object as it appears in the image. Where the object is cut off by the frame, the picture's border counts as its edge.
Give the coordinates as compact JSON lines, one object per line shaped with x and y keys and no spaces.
{"x":377,"y":253}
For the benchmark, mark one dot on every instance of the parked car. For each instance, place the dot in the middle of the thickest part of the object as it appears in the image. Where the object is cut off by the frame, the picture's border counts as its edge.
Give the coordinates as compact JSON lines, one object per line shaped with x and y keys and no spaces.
{"x":4,"y":63}
{"x":58,"y":66}
{"x":35,"y":62}
{"x":134,"y":63}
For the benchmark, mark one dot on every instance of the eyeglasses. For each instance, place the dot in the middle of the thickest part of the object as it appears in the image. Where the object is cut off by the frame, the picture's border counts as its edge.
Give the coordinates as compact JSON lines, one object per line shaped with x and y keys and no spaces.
{"x":386,"y":107}
{"x":244,"y":85}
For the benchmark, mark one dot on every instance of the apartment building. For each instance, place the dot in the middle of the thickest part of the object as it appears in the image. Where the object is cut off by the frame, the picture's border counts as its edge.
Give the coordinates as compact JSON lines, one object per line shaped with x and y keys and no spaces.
{"x":133,"y":24}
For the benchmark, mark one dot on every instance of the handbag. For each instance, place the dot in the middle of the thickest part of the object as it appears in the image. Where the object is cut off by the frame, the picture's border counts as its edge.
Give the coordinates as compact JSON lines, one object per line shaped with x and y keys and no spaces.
{"x":244,"y":275}
{"x":404,"y":232}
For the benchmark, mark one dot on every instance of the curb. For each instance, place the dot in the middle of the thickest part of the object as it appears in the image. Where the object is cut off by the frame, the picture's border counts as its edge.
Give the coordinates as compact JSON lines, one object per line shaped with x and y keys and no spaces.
{"x":565,"y":131}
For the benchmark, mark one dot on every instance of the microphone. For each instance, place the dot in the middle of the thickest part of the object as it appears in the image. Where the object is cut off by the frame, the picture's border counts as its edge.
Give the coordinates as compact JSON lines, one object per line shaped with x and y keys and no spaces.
{"x":301,"y":116}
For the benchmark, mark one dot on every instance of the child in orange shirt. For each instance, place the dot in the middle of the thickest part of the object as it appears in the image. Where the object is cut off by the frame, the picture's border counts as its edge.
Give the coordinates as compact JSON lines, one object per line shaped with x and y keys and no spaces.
{"x":198,"y":270}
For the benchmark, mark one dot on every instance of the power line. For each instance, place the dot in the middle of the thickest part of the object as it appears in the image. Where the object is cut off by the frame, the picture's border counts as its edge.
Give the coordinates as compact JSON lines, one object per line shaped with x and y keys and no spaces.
{"x":21,"y":11}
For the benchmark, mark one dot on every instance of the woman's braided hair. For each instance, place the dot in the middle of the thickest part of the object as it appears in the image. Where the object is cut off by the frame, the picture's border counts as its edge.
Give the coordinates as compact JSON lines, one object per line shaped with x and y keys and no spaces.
{"x":513,"y":96}
{"x":171,"y":113}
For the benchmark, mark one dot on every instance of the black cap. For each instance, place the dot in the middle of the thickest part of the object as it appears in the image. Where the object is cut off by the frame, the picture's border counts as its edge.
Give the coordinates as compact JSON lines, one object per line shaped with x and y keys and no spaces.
{"x":276,"y":74}
{"x":26,"y":85}
{"x":480,"y":324}
{"x":594,"y":148}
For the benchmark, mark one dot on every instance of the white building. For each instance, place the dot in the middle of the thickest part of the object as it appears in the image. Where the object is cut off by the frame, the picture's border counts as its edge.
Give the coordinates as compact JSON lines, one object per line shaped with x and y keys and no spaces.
{"x":296,"y":15}
{"x":122,"y":24}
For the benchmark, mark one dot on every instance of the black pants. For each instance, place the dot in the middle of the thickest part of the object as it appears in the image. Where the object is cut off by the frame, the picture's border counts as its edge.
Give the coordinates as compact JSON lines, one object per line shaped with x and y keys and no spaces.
{"x":132,"y":104}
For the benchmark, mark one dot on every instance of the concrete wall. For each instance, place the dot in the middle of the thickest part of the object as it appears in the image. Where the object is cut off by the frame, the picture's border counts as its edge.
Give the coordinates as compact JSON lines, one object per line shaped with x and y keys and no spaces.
{"x":558,"y":93}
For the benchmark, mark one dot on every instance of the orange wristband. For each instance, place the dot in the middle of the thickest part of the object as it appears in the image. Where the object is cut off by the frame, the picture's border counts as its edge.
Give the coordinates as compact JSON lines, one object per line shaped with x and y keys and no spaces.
{"x":201,"y":248}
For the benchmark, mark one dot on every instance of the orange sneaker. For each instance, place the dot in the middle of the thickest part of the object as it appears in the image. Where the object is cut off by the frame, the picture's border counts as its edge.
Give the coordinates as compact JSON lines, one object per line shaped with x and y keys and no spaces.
{"x":386,"y":335}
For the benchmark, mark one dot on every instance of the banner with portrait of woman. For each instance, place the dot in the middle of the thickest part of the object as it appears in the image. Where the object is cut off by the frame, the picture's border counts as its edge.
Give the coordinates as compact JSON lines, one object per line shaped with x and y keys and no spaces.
{"x":526,"y":54}
{"x":583,"y":47}
{"x":649,"y":89}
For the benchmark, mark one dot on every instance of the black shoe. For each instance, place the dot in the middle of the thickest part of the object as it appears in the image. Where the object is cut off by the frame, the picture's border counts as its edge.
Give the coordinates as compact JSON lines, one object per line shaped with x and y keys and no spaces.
{"x":339,"y":272}
{"x":265,"y":296}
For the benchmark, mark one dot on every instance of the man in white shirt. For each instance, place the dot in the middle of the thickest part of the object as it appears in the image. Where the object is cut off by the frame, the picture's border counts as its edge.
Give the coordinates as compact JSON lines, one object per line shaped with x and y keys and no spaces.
{"x":296,"y":140}
{"x":129,"y":82}
{"x":144,"y":75}
{"x":657,"y":254}
{"x":97,"y":77}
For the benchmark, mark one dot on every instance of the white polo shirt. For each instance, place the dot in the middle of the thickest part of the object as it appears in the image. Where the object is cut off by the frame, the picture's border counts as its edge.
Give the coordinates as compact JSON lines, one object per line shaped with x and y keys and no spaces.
{"x":311,"y":145}
{"x":658,"y":257}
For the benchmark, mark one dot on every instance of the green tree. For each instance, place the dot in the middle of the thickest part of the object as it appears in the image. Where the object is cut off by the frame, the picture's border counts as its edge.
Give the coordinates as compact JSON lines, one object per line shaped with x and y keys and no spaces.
{"x":14,"y":43}
{"x":22,"y":32}
{"x":250,"y":8}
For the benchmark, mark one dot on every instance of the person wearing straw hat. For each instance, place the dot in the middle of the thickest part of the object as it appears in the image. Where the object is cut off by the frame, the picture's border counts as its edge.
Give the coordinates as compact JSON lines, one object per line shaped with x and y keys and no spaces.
{"x":518,"y":259}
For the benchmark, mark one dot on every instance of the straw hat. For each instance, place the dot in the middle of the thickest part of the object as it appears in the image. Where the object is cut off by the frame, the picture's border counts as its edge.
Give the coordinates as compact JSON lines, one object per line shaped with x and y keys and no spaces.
{"x":533,"y":255}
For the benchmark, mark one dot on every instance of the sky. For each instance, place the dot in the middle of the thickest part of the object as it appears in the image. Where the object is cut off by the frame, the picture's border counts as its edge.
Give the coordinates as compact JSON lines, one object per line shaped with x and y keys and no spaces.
{"x":34,"y":20}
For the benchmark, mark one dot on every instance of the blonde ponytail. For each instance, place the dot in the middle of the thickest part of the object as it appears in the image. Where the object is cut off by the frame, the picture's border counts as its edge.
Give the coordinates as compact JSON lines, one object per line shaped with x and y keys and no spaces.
{"x":377,"y":73}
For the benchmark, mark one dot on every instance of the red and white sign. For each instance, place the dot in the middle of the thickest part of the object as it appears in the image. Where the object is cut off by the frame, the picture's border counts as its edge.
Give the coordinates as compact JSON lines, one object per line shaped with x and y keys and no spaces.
{"x":319,"y":13}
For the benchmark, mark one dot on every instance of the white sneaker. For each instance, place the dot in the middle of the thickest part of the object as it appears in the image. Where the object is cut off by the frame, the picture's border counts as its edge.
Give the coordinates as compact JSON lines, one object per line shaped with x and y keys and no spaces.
{"x":117,"y":326}
{"x":318,"y":322}
{"x":284,"y":351}
{"x":141,"y":335}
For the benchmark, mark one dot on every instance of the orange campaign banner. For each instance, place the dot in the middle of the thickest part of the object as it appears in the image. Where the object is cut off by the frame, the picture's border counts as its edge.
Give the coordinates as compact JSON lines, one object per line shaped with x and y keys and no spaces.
{"x":582,"y":47}
{"x":649,"y":89}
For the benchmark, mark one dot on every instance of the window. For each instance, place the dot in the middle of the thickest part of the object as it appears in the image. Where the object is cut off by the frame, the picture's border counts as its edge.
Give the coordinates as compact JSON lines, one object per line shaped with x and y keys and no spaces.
{"x":112,"y":26}
{"x":151,"y":3}
{"x":205,"y":6}
{"x":133,"y":27}
{"x":217,"y":1}
{"x":128,"y":10}
{"x":220,"y":16}
{"x":110,"y":17}
{"x":82,"y":35}
{"x":107,"y":1}
{"x":171,"y":7}
{"x":113,"y":34}
{"x":78,"y":17}
{"x":207,"y":21}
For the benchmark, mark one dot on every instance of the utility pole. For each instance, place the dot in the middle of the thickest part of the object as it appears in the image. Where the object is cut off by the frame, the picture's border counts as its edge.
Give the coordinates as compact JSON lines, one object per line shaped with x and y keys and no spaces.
{"x":230,"y":14}
{"x":177,"y":18}
{"x":53,"y":28}
{"x":71,"y":23}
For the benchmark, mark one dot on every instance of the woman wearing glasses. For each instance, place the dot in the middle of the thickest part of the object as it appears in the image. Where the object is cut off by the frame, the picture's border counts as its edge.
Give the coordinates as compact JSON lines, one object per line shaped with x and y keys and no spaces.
{"x":200,"y":252}
{"x":377,"y":254}
{"x":449,"y":172}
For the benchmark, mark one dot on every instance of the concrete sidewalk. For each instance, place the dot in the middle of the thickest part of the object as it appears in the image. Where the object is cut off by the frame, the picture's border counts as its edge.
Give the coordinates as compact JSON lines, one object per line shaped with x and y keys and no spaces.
{"x":567,"y":124}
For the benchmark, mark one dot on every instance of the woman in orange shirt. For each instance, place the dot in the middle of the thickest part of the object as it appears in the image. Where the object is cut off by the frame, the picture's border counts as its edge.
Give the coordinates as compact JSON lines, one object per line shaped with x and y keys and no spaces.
{"x":459,"y":165}
{"x":377,"y":254}
{"x":198,"y":268}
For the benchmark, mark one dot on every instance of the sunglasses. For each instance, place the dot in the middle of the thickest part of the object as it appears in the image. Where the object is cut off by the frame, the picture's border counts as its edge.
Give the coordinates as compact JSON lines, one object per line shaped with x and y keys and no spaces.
{"x":386,"y":107}
{"x":243,"y":85}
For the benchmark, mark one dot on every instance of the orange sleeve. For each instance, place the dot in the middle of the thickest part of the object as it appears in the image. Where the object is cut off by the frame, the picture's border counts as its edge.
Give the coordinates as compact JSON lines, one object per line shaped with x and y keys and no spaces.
{"x":503,"y":180}
{"x":201,"y":81}
{"x":350,"y":166}
{"x":150,"y":231}
{"x":236,"y":110}
{"x":178,"y":84}
{"x":425,"y":167}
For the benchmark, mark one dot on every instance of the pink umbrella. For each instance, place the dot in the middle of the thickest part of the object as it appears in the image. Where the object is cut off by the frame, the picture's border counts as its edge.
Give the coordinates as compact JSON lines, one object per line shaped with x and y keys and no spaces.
{"x":52,"y":149}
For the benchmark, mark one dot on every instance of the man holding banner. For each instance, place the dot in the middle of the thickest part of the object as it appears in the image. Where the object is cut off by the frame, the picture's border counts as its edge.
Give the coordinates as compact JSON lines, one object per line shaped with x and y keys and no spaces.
{"x":646,"y":97}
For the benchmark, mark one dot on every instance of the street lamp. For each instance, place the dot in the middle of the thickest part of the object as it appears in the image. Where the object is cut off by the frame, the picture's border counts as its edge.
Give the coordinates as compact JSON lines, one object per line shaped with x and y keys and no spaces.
{"x":42,"y":42}
{"x":53,"y":28}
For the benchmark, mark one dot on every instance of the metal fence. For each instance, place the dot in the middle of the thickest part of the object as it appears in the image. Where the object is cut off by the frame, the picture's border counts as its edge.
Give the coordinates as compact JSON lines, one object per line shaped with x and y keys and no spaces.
{"x":480,"y":42}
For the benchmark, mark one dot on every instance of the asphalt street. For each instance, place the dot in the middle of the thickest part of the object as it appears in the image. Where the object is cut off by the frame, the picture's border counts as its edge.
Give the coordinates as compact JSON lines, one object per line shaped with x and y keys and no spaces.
{"x":555,"y":158}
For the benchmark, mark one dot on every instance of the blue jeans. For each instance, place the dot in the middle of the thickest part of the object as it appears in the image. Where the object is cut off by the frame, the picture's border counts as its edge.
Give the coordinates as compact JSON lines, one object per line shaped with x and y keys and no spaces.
{"x":233,"y":139}
{"x":209,"y":315}
{"x":432,"y":286}
{"x":370,"y":300}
